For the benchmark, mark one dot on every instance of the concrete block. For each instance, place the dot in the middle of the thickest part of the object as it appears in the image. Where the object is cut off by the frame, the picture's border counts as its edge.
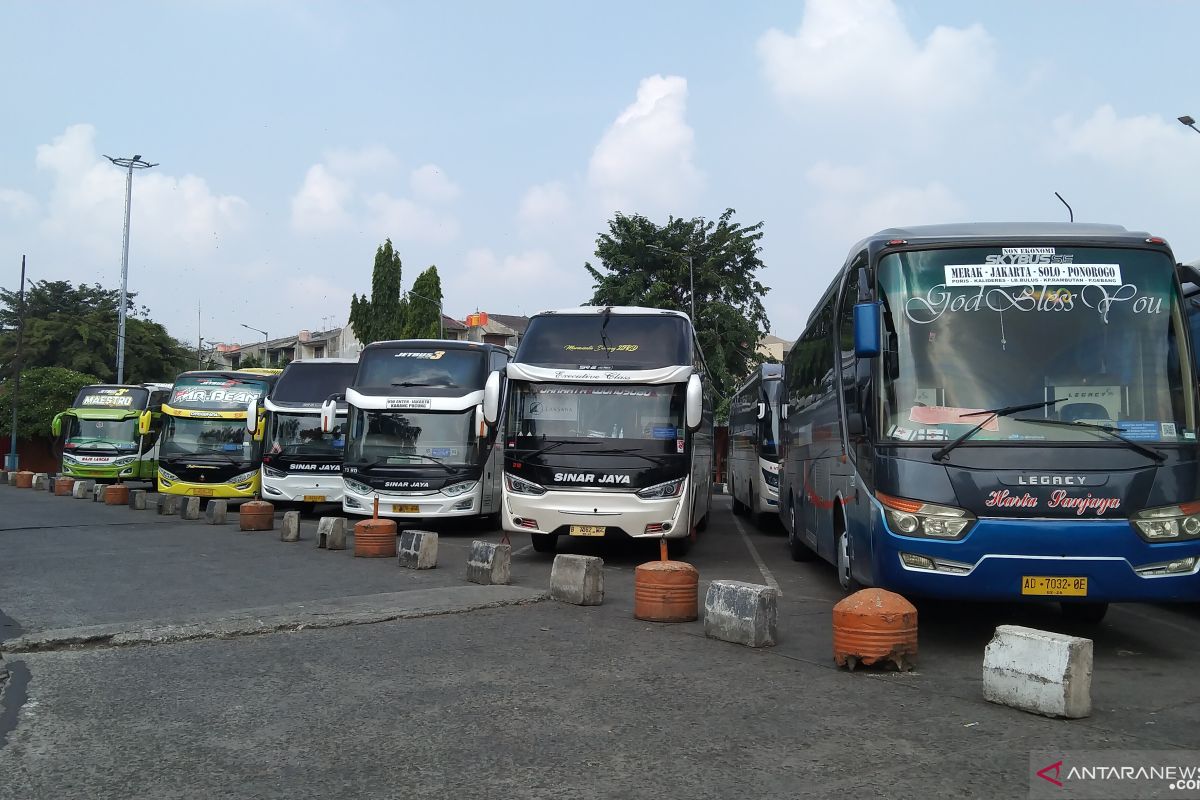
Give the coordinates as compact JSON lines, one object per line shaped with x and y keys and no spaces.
{"x":742,"y":613}
{"x":216,"y":511}
{"x":577,"y":579}
{"x":417,"y":549}
{"x":489,"y":564}
{"x":289,"y":531}
{"x":168,"y":503}
{"x":50,"y":481}
{"x":137,"y":499}
{"x":190,"y":508}
{"x":98,"y":493}
{"x":11,"y":477}
{"x":1046,"y":673}
{"x":39,"y":481}
{"x":331,"y":533}
{"x":82,"y":490}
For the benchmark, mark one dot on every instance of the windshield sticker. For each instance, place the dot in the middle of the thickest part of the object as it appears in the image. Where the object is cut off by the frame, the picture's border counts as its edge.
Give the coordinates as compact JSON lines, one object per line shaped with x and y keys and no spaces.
{"x":1027,"y":252}
{"x":408,"y":402}
{"x":679,"y":445}
{"x":1168,"y":430}
{"x":906,"y":434}
{"x":949,"y":415}
{"x":662,"y":432}
{"x":223,"y":396}
{"x":600,"y":348}
{"x":598,"y":390}
{"x":109,"y":398}
{"x":428,"y":355}
{"x":1091,"y":294}
{"x":1009,"y":274}
{"x":932,"y":435}
{"x":557,"y":408}
{"x":1140,"y":430}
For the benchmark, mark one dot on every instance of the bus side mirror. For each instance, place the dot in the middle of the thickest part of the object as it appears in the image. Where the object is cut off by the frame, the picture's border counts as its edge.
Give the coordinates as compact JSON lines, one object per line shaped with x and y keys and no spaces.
{"x":56,"y":424}
{"x":694,"y":402}
{"x":144,"y":420}
{"x":762,"y":410}
{"x":867,"y":320}
{"x":491,"y":398}
{"x":328,"y":415}
{"x":252,"y":416}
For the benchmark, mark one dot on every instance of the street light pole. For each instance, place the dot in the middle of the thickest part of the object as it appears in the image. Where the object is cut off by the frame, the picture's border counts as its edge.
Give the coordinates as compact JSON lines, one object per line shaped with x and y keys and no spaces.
{"x":266,"y":340}
{"x":12,"y":461}
{"x":1188,"y":121}
{"x":691,"y":275}
{"x":130,"y":164}
{"x":441,"y":316}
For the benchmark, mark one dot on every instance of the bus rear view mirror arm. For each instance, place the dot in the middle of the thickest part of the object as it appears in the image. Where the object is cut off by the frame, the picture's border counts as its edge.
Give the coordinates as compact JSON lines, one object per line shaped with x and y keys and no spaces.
{"x":867,"y":320}
{"x":491,"y":398}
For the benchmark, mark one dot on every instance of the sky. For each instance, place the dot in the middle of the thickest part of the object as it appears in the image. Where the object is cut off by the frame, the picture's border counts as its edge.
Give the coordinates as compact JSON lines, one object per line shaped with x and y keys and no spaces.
{"x":496,"y":140}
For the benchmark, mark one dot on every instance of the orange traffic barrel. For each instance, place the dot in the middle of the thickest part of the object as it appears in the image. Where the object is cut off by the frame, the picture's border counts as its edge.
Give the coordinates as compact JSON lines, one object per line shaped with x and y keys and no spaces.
{"x":63,"y":486}
{"x":24,"y":480}
{"x":873,"y":626}
{"x":666,"y":591}
{"x":116,"y":495}
{"x":375,"y":538}
{"x":256,"y":515}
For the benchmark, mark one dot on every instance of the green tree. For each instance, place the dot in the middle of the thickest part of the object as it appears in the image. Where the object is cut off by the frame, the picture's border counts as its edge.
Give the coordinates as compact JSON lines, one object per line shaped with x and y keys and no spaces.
{"x":422,"y":319}
{"x":730,"y":318}
{"x":381,"y":317}
{"x":44,"y":392}
{"x":75,"y":327}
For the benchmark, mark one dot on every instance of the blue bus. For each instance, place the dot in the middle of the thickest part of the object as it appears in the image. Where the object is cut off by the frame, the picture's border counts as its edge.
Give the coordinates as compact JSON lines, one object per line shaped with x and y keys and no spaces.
{"x":999,"y":412}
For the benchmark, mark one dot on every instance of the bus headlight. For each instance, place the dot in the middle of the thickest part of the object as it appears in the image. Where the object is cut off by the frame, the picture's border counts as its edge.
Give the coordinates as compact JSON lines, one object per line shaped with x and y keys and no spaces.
{"x":357,"y":486}
{"x":124,"y":461}
{"x":660,"y":491}
{"x":455,"y":489}
{"x":167,"y":476}
{"x":272,"y":472}
{"x":1169,"y":523}
{"x":521,"y":486}
{"x":917,"y":518}
{"x":772,"y":478}
{"x":245,"y":477}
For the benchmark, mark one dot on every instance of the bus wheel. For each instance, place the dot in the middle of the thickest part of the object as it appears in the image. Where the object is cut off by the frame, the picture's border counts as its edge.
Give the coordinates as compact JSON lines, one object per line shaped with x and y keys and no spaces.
{"x":544,"y":542}
{"x":739,"y":507}
{"x":1084,"y":613}
{"x":799,"y":550}
{"x":845,"y":565}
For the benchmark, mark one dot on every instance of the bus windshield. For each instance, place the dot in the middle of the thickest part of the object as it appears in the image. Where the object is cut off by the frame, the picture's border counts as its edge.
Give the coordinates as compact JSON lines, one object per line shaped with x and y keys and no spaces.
{"x":101,"y":434}
{"x":184,"y":436}
{"x":650,"y":416}
{"x":301,"y":435}
{"x":385,"y":367}
{"x":407,"y":438}
{"x":768,"y":426}
{"x":1097,"y":333}
{"x":612,"y":341}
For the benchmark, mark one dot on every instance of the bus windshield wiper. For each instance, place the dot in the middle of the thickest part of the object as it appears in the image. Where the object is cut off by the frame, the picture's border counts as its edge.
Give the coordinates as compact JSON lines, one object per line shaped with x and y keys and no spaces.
{"x":603,"y":336}
{"x":546,"y":449}
{"x":382,"y":461}
{"x":409,"y":384}
{"x":629,"y":451}
{"x":988,"y":415}
{"x":221,"y":453}
{"x":1111,"y":430}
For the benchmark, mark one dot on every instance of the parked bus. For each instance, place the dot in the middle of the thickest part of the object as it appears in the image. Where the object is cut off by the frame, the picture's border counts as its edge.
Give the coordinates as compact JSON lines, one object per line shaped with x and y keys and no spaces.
{"x":999,"y":412}
{"x":608,"y":429}
{"x":753,"y":462}
{"x":301,"y":462}
{"x":206,"y":450}
{"x":417,"y":442}
{"x":102,"y":438}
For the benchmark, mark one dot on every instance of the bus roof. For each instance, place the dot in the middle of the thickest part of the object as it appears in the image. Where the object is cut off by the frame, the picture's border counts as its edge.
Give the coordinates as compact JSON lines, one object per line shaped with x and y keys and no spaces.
{"x":231,"y":375}
{"x":635,"y":310}
{"x":956,"y":231}
{"x":445,"y":344}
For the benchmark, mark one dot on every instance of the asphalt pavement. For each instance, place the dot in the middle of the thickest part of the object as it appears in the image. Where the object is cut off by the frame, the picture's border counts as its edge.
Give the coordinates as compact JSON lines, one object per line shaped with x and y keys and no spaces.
{"x":440,"y":688}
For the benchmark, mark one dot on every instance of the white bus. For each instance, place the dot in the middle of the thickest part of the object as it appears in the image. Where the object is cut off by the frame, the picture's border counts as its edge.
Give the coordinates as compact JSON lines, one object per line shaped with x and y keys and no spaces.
{"x":753,"y":460}
{"x":301,"y":462}
{"x":608,"y":427}
{"x":417,"y":443}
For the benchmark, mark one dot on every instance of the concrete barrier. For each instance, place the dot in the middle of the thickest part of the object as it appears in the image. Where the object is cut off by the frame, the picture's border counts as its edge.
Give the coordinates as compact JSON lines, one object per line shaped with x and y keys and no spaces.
{"x":742,"y":613}
{"x":98,"y":492}
{"x":39,"y":481}
{"x":12,"y":478}
{"x":190,"y":508}
{"x":51,"y":479}
{"x":1039,"y":671}
{"x":577,"y":579}
{"x":4,"y":476}
{"x":216,"y":511}
{"x":137,"y":499}
{"x":82,"y":490}
{"x":331,"y":533}
{"x":417,"y":549}
{"x":489,"y":564}
{"x":168,"y":504}
{"x":289,"y":530}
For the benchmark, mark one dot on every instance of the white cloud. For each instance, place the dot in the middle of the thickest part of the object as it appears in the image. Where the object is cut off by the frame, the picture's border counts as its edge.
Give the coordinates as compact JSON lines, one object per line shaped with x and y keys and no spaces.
{"x":404,"y":220}
{"x":543,"y":207}
{"x":369,"y":160}
{"x":644,"y":162}
{"x":518,"y":282}
{"x":855,"y":52}
{"x":431,"y":184}
{"x":1143,"y":143}
{"x":17,"y":204}
{"x":320,"y":205}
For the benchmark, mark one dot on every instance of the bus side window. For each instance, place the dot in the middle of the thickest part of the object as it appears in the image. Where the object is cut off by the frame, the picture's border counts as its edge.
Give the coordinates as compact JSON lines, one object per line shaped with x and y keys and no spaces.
{"x":849,"y":362}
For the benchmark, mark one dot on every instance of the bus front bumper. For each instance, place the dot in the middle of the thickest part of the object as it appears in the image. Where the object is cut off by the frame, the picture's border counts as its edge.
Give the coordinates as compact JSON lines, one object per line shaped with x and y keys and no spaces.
{"x":557,"y":512}
{"x":100,"y":472}
{"x":303,"y":488}
{"x":241,"y":491}
{"x":412,"y":506}
{"x":997,"y":556}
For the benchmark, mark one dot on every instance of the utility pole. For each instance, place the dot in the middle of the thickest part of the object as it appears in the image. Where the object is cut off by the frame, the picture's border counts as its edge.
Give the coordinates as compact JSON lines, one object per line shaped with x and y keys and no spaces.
{"x":11,"y":462}
{"x":130,"y":164}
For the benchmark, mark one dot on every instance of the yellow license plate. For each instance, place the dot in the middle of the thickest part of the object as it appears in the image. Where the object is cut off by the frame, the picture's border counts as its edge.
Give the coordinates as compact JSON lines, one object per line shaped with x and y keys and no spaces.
{"x":587,"y":530}
{"x":1053,"y":586}
{"x":202,"y":492}
{"x":314,"y":498}
{"x":406,"y":509}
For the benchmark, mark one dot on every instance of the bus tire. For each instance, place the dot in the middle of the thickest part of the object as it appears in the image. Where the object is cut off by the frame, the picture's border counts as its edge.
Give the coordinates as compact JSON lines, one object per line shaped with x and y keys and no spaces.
{"x":796,"y":546}
{"x":1084,"y":613}
{"x":544,"y":542}
{"x":739,"y":507}
{"x":845,"y":560}
{"x":703,"y":523}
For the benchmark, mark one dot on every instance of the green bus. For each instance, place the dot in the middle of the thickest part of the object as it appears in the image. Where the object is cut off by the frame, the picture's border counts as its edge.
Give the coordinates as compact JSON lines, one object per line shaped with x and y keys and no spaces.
{"x":102,"y":436}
